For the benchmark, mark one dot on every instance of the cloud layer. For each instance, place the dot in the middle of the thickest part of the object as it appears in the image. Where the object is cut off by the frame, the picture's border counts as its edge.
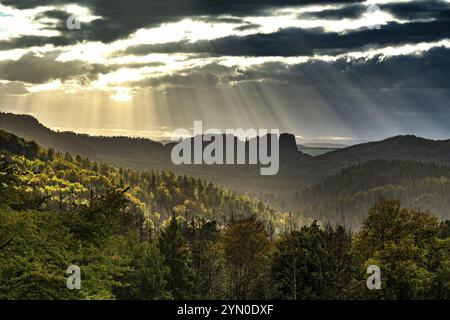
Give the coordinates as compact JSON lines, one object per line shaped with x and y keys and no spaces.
{"x":234,"y":49}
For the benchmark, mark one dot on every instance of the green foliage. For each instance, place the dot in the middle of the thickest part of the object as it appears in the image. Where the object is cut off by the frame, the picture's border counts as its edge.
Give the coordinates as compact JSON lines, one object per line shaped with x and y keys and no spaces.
{"x":144,"y":278}
{"x":345,"y":197}
{"x":150,"y":277}
{"x":13,"y":144}
{"x":33,"y":265}
{"x":313,"y":263}
{"x":150,"y":235}
{"x":176,"y":257}
{"x":246,"y":244}
{"x":403,"y":243}
{"x":207,"y":260}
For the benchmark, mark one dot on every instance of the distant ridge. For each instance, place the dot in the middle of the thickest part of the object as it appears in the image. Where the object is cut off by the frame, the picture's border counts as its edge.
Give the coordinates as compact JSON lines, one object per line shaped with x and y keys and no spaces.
{"x":100,"y":147}
{"x":402,"y":147}
{"x":297,"y":170}
{"x":136,"y":153}
{"x":93,"y":147}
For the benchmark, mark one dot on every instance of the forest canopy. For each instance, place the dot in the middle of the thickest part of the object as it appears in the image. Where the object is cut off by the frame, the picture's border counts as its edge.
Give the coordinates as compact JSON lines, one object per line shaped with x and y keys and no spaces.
{"x":156,"y":235}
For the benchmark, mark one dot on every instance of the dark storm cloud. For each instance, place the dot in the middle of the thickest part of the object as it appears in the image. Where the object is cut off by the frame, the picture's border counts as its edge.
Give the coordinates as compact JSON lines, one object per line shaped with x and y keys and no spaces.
{"x":53,"y":14}
{"x":40,"y":69}
{"x":430,"y":70}
{"x":414,"y":10}
{"x":12,"y":88}
{"x":248,"y":26}
{"x":215,"y":19}
{"x":295,"y":41}
{"x":120,"y":18}
{"x":428,"y":9}
{"x":207,"y":76}
{"x":23,"y":42}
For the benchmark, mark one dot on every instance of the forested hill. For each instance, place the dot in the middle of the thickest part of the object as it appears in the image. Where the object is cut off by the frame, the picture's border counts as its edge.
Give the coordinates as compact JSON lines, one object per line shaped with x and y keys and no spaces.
{"x":156,"y":235}
{"x":350,"y":197}
{"x":139,"y":153}
{"x":115,"y":148}
{"x":145,"y":154}
{"x":29,"y":128}
{"x":342,"y":198}
{"x":346,"y":196}
{"x":60,"y":182}
{"x":404,"y":147}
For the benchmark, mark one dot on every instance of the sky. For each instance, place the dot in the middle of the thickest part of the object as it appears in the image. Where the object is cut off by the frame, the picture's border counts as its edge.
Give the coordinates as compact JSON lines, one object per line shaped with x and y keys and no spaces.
{"x":327,"y":71}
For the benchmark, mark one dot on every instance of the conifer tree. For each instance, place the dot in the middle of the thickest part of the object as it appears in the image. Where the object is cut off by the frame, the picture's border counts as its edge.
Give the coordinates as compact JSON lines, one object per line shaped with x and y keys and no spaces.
{"x":176,"y":257}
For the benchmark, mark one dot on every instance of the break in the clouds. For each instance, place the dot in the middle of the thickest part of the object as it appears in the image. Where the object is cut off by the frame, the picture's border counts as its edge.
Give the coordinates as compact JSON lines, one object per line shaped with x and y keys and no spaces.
{"x":319,"y":69}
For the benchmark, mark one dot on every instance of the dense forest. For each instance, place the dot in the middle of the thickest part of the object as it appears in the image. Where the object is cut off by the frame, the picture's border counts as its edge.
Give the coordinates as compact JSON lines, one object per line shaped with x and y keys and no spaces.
{"x":338,"y":186}
{"x":345,"y":197}
{"x":156,"y":235}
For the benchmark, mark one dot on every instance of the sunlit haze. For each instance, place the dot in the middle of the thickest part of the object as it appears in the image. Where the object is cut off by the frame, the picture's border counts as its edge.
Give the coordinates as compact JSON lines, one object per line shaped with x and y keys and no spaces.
{"x":331,"y":71}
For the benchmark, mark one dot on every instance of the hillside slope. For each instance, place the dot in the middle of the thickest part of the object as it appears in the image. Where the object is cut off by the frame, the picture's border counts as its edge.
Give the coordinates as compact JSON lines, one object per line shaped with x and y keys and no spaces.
{"x":346,"y":196}
{"x":62,"y":181}
{"x":297,"y":170}
{"x":406,"y":147}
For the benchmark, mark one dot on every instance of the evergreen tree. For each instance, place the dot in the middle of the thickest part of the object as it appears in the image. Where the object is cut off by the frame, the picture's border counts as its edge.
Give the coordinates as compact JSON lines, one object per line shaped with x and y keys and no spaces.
{"x":313,"y":263}
{"x":176,"y":257}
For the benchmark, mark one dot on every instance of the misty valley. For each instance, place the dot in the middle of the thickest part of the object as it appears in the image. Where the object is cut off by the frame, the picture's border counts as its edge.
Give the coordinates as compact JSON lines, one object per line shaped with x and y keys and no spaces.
{"x":137,"y":233}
